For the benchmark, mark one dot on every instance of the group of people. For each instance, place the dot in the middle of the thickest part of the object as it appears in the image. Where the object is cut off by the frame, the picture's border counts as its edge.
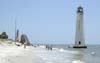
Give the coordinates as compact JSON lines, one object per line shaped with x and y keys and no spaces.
{"x":49,"y":47}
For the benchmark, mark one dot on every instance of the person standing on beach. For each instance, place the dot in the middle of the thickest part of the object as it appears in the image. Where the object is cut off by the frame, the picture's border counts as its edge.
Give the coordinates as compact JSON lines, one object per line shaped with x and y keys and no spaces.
{"x":25,"y":45}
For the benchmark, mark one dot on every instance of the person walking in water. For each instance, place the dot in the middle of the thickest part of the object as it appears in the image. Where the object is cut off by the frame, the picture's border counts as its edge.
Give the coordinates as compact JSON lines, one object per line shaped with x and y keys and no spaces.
{"x":25,"y":45}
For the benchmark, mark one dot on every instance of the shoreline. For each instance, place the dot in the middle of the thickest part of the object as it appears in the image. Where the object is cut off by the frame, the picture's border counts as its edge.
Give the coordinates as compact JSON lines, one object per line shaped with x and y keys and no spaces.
{"x":39,"y":54}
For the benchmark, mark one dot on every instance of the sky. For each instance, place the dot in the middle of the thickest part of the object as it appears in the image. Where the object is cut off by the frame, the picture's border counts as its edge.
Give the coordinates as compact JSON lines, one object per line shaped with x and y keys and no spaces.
{"x":50,"y":21}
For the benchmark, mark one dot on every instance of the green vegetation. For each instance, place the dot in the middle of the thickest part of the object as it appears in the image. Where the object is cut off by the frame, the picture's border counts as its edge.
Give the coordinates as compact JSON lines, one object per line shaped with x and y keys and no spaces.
{"x":3,"y":35}
{"x":6,"y":41}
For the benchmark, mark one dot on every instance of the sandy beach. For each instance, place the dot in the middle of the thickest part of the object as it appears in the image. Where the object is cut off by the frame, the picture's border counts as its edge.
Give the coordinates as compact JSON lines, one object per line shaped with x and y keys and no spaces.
{"x":14,"y":54}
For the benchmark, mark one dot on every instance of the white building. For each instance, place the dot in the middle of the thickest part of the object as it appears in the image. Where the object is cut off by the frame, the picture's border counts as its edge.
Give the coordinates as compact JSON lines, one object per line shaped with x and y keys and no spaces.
{"x":79,"y":36}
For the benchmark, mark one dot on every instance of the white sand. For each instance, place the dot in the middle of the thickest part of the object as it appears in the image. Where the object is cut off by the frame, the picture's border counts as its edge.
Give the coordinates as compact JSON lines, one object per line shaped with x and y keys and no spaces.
{"x":14,"y":54}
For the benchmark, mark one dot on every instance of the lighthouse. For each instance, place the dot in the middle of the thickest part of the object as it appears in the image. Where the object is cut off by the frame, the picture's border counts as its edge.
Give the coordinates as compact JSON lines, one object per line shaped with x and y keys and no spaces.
{"x":79,"y":35}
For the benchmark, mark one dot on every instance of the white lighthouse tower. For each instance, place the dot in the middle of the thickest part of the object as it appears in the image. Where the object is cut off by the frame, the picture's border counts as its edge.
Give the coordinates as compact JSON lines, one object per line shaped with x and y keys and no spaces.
{"x":79,"y":36}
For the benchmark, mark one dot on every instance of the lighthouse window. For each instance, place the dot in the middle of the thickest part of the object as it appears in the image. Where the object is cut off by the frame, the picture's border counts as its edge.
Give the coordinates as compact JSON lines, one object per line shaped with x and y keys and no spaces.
{"x":79,"y":42}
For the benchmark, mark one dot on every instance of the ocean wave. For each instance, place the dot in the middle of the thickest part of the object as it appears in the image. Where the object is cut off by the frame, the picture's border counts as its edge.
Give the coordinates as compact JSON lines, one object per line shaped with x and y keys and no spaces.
{"x":55,"y":48}
{"x":62,"y":50}
{"x":42,"y":46}
{"x":78,"y":61}
{"x":67,"y":51}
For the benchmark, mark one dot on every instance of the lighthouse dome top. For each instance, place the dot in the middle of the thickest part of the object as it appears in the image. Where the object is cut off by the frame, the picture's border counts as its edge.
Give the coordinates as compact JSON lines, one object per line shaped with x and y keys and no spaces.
{"x":80,"y":9}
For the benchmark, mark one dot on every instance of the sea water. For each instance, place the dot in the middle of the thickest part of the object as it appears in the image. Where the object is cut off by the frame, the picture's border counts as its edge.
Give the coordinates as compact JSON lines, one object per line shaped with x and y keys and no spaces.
{"x":63,"y":54}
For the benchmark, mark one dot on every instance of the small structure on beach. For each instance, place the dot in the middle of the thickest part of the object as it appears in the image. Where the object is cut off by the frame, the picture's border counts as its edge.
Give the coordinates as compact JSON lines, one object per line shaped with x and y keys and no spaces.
{"x":24,"y":40}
